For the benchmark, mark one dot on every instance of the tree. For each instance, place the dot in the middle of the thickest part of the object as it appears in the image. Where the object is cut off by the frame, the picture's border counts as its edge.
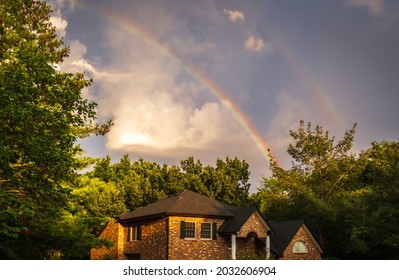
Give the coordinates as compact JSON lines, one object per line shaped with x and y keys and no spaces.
{"x":97,"y":199}
{"x":317,"y":188}
{"x":141,"y":182}
{"x":227,"y":182}
{"x":380,"y":177}
{"x":43,"y":113}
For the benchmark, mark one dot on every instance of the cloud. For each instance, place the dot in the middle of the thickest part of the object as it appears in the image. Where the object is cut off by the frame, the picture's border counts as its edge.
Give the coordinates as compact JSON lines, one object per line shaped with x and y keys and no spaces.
{"x":375,"y":7}
{"x":154,"y":113}
{"x":59,"y":4}
{"x":56,"y":17}
{"x":57,"y":20}
{"x":159,"y":108}
{"x":59,"y":23}
{"x":234,"y":16}
{"x":254,"y":44}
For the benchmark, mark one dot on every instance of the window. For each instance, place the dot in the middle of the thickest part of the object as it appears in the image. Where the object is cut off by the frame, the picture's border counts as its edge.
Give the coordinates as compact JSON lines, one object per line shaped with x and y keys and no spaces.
{"x":299,"y":247}
{"x":206,"y":230}
{"x":189,"y":230}
{"x":134,"y":233}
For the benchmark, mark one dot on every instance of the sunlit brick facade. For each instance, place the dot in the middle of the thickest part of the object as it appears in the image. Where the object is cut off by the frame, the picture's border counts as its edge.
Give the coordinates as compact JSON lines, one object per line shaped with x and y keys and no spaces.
{"x":190,"y":226}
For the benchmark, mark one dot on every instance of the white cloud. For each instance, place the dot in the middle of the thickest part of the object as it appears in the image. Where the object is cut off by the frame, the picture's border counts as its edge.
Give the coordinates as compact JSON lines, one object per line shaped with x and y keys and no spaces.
{"x":151,"y":110}
{"x":56,"y":17}
{"x":234,"y":16}
{"x":76,"y":61}
{"x":254,"y":44}
{"x":375,"y":7}
{"x":59,"y":23}
{"x":158,"y":108}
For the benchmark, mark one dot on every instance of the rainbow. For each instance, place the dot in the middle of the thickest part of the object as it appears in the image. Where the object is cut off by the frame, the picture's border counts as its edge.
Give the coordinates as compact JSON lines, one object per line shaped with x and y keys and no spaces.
{"x":313,"y":88}
{"x":130,"y":26}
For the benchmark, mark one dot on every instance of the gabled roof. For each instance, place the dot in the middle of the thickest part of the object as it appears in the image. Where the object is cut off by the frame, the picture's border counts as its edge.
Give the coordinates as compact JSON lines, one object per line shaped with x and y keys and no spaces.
{"x":185,"y":203}
{"x":283,"y":233}
{"x":240,"y":216}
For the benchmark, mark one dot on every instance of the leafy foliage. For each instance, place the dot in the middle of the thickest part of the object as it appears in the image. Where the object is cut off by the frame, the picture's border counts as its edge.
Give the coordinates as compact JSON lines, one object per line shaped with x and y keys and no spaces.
{"x":140,"y":182}
{"x":40,"y":109}
{"x":349,"y":202}
{"x":380,"y":177}
{"x":316,"y":187}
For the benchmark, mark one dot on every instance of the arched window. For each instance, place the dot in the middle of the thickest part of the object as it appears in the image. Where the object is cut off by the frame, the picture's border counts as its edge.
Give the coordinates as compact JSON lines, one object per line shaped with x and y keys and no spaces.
{"x":300,"y":247}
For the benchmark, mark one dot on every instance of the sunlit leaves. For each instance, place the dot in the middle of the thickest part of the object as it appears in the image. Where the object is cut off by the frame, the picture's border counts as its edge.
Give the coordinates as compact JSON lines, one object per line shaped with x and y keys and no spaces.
{"x":40,"y":109}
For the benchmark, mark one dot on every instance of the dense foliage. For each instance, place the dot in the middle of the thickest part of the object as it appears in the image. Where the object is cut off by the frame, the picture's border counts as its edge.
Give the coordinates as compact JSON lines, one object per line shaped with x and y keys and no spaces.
{"x":41,"y":109}
{"x":349,"y":202}
{"x":110,"y":189}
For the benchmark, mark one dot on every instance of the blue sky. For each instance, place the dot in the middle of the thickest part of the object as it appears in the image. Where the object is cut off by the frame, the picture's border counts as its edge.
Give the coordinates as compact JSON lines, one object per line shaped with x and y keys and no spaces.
{"x":331,"y":63}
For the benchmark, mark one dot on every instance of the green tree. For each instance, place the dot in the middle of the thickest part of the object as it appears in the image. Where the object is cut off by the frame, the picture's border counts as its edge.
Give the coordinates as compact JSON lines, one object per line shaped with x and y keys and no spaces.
{"x":380,"y":177}
{"x":95,"y":198}
{"x":42,"y":115}
{"x":227,"y":182}
{"x":317,"y":188}
{"x":192,"y":180}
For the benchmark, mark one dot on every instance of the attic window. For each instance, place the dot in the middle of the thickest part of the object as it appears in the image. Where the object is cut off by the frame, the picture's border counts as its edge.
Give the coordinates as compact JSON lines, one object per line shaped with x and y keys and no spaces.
{"x":300,"y":248}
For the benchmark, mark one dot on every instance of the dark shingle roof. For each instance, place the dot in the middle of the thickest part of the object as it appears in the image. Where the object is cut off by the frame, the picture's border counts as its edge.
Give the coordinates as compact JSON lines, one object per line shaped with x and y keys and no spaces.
{"x":283,"y":233}
{"x":187,"y":203}
{"x":240,"y":216}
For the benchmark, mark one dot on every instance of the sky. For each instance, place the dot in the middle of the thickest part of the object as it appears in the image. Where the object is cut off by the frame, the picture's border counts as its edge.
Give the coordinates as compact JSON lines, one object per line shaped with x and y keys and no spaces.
{"x":216,"y":79}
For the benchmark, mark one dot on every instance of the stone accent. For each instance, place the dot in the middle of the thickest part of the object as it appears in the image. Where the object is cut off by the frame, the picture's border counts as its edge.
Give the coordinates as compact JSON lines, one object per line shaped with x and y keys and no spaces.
{"x":313,"y":251}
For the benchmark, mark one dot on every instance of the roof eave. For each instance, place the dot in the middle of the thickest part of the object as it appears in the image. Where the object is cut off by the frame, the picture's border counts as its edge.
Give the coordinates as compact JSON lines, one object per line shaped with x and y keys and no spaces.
{"x":167,"y":214}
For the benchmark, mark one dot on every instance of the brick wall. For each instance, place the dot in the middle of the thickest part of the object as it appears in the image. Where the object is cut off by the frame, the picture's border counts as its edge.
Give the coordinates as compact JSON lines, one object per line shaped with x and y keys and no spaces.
{"x":156,"y":243}
{"x":196,"y":249}
{"x":153,"y":243}
{"x":112,"y":231}
{"x":247,"y":246}
{"x":254,"y":224}
{"x":313,"y":251}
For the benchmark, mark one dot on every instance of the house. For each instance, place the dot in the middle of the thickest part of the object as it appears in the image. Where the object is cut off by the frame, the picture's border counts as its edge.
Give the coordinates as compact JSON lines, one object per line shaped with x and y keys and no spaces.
{"x":292,"y":240}
{"x":191,"y":226}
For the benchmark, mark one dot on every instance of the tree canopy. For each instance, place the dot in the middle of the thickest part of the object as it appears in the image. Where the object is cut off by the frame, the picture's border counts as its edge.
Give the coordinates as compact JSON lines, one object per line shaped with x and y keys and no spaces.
{"x":41,"y":109}
{"x":346,"y":200}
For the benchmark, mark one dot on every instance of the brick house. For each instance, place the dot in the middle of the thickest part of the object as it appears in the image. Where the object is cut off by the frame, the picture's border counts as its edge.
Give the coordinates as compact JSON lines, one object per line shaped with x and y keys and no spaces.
{"x":292,"y":240}
{"x":191,"y":226}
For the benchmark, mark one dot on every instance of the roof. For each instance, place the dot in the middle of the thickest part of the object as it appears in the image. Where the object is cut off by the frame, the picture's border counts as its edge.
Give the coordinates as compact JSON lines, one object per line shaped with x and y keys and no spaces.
{"x":240,"y":216}
{"x":283,"y":233}
{"x":185,"y":203}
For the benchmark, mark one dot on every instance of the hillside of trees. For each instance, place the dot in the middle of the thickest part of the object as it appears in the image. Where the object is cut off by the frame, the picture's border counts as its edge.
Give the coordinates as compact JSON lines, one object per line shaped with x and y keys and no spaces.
{"x":50,"y":209}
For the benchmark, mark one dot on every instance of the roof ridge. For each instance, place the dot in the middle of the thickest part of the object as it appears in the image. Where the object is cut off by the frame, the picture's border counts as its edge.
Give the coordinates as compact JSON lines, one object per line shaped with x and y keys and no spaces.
{"x":179,"y":195}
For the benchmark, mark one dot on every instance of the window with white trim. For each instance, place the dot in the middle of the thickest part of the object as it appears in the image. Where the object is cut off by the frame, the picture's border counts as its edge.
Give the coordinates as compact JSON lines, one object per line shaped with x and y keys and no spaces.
{"x":206,"y":230}
{"x":189,"y":229}
{"x":300,"y":248}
